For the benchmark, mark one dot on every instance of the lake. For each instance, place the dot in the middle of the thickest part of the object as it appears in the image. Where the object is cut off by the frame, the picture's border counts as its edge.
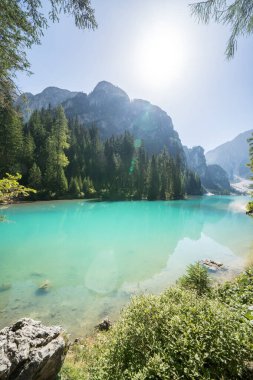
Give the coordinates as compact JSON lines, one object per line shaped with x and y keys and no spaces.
{"x":95,"y":255}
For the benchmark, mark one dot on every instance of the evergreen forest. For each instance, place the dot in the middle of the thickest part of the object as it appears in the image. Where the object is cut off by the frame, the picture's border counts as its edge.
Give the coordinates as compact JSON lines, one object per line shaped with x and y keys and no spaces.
{"x":63,"y":159}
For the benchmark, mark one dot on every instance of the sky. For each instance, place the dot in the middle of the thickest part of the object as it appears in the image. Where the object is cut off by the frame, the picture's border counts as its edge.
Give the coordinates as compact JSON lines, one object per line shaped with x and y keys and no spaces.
{"x":154,"y":50}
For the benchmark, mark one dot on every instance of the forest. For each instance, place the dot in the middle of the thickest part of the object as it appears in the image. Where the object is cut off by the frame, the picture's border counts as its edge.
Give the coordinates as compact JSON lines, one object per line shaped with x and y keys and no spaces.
{"x":63,"y":159}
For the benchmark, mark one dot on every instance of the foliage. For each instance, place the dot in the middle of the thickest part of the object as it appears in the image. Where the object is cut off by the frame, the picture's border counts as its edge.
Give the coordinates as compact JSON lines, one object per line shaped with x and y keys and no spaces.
{"x":56,"y":145}
{"x":11,"y":140}
{"x":250,"y":208}
{"x":196,"y":278}
{"x":251,"y":153}
{"x":21,"y":25}
{"x":62,"y":158}
{"x":250,"y":204}
{"x":237,"y":293}
{"x":35,"y":179}
{"x":11,"y":189}
{"x":176,"y":335}
{"x":238,"y":15}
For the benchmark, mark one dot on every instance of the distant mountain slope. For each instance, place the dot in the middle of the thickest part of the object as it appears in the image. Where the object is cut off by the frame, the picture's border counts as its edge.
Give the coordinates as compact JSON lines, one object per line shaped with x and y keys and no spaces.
{"x":52,"y":96}
{"x":214,"y":179}
{"x":232,"y":156}
{"x":113,"y":112}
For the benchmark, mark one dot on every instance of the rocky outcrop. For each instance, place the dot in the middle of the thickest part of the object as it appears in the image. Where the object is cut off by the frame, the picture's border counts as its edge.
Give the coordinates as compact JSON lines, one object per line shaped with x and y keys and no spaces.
{"x":31,"y":351}
{"x":51,"y":96}
{"x":213,"y":178}
{"x":233,"y":156}
{"x":111,"y":110}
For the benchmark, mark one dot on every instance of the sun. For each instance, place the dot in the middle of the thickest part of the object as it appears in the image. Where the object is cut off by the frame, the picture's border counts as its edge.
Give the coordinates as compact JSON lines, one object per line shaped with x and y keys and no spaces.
{"x":160,"y":56}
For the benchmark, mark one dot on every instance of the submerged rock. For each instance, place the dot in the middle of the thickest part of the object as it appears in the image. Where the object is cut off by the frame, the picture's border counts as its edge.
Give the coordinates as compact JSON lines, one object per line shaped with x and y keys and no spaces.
{"x":212,"y":265}
{"x":31,"y":351}
{"x":4,"y":287}
{"x":43,"y":287}
{"x":104,"y":325}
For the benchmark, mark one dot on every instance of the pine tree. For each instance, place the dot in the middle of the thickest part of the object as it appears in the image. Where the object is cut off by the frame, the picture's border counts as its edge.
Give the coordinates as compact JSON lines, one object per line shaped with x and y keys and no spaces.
{"x":57,"y":143}
{"x":153,"y":184}
{"x":74,"y":188}
{"x":11,"y":141}
{"x":28,"y":151}
{"x":35,"y":179}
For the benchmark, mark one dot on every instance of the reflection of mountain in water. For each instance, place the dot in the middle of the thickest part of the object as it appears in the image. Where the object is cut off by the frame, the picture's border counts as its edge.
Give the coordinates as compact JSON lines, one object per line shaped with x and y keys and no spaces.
{"x":103,"y":245}
{"x":96,"y":254}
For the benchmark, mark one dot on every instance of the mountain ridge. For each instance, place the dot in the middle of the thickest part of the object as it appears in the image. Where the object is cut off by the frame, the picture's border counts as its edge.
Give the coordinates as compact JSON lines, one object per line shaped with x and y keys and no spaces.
{"x":232,"y":156}
{"x":113,"y":112}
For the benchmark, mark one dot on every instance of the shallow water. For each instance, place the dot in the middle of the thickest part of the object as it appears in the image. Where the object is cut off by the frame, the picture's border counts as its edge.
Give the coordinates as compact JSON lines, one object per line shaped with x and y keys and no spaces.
{"x":95,"y":255}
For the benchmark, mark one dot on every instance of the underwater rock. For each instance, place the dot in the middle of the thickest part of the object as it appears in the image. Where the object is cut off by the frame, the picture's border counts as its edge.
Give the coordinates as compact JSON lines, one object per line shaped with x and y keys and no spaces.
{"x":104,"y":325}
{"x":43,"y":288}
{"x":36,"y":274}
{"x":212,"y":265}
{"x":4,"y":287}
{"x":31,"y":351}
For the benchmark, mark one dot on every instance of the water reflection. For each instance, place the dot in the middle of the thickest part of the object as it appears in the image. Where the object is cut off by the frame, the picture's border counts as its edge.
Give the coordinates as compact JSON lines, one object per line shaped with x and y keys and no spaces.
{"x":96,"y":255}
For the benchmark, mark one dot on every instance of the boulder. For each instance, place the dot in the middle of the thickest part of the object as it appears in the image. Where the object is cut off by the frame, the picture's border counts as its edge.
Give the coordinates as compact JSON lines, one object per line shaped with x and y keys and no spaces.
{"x":105,"y":325}
{"x":31,"y":351}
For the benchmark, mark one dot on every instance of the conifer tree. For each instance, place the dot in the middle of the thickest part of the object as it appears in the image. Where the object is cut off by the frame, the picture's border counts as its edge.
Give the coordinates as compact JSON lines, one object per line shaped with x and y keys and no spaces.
{"x":153,"y":183}
{"x":57,"y":143}
{"x":74,"y":188}
{"x":11,"y":140}
{"x":35,"y":178}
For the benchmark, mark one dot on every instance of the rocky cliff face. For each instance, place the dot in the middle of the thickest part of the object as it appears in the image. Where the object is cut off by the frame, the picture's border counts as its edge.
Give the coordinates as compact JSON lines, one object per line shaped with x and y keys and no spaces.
{"x":113,"y":112}
{"x":232,"y":156}
{"x":214,"y":179}
{"x":52,"y":96}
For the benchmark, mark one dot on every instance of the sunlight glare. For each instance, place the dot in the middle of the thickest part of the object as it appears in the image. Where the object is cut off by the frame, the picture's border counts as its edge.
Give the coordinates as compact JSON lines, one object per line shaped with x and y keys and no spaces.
{"x":161,"y":56}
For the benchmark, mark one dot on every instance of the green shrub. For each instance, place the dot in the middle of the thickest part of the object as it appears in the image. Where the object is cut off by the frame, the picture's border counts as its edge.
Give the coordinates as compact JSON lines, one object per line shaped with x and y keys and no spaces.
{"x":249,"y":208}
{"x":237,"y":293}
{"x":175,"y":336}
{"x":196,"y":278}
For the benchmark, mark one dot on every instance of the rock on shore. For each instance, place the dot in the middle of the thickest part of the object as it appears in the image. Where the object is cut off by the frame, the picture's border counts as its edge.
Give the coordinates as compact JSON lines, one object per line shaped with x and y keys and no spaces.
{"x":31,"y":351}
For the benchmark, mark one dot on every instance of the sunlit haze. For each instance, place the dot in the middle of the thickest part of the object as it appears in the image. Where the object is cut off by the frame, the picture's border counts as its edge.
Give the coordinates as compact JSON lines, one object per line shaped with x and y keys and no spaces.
{"x":154,"y":50}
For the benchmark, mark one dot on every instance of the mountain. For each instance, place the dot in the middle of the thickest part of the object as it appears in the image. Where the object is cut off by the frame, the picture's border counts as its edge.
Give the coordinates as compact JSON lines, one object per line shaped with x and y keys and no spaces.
{"x":232,"y":156}
{"x":214,"y":179}
{"x":111,"y":110}
{"x":52,"y":96}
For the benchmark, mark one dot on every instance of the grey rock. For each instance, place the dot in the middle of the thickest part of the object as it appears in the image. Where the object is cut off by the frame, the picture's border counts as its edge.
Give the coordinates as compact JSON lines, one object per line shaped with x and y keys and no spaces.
{"x":113,"y":113}
{"x":213,"y":178}
{"x":232,"y":156}
{"x":31,"y":351}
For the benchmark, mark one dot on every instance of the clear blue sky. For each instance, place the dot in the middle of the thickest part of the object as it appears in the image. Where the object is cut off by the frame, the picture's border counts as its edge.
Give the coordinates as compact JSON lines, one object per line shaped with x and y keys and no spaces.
{"x":154,"y":50}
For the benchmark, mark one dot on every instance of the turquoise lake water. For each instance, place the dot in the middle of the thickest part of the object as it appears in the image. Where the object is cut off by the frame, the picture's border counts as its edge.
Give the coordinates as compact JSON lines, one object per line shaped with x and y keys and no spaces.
{"x":96,"y":255}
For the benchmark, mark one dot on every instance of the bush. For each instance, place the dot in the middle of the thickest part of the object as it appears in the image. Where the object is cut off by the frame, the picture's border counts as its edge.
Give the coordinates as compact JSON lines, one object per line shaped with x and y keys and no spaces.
{"x":249,"y":208}
{"x":237,"y":293}
{"x":175,"y":336}
{"x":196,"y":278}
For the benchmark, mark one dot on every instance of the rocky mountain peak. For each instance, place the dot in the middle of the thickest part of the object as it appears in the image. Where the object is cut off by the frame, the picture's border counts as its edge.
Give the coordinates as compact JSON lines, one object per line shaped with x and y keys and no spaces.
{"x":107,"y":89}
